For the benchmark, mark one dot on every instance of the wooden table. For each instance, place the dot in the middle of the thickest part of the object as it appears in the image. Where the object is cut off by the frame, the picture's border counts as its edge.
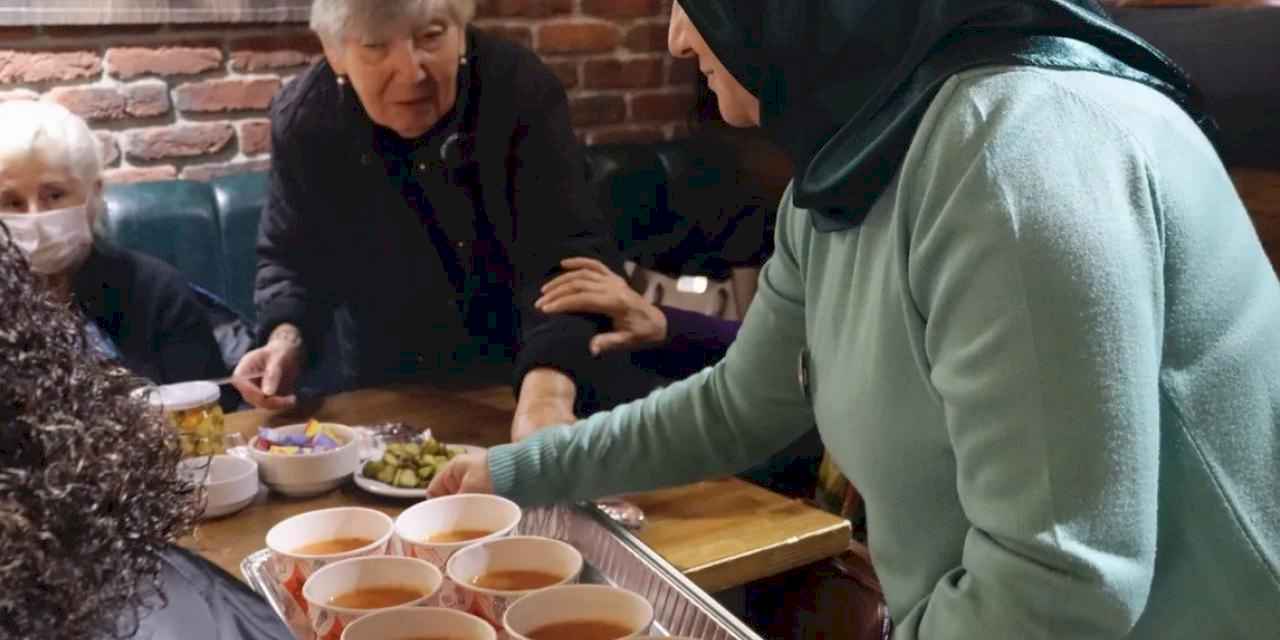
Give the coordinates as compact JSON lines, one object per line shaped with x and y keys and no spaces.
{"x":722,"y":533}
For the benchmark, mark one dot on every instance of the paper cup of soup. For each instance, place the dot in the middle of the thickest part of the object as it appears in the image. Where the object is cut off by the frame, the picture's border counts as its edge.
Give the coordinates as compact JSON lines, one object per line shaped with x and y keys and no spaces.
{"x":436,"y":529}
{"x":345,"y":591}
{"x":581,"y":612}
{"x":307,"y":542}
{"x":498,"y":572}
{"x":420,"y":624}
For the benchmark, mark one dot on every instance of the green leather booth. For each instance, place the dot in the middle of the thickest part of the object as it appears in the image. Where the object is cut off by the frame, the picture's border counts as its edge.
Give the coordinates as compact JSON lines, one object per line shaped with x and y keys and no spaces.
{"x":206,"y":230}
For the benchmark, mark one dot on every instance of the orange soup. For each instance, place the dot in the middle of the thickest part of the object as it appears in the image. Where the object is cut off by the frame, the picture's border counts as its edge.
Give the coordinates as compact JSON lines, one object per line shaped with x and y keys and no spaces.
{"x":376,"y":597}
{"x":334,"y":546}
{"x":516,"y":580}
{"x":582,"y":630}
{"x":458,"y":535}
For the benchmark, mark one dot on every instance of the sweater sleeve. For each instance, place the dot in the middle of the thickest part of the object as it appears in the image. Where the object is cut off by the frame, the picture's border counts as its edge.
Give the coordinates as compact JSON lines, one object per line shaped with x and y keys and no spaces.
{"x":720,"y":421}
{"x":695,"y":341}
{"x":556,"y":219}
{"x":1039,"y":276}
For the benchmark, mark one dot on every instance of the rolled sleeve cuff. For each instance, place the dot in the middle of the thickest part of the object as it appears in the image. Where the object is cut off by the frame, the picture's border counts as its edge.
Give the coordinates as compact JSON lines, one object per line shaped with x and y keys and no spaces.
{"x":520,"y":471}
{"x":282,"y":311}
{"x":562,"y":344}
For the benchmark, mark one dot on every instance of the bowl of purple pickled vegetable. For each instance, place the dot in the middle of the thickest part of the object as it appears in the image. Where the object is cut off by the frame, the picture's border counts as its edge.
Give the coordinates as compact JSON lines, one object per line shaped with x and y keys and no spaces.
{"x":306,"y":459}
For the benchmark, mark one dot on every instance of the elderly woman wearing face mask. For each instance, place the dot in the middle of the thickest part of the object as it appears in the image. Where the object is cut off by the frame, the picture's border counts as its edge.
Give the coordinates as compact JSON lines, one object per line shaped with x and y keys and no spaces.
{"x":426,"y":182}
{"x":138,"y":311}
{"x":1018,"y":293}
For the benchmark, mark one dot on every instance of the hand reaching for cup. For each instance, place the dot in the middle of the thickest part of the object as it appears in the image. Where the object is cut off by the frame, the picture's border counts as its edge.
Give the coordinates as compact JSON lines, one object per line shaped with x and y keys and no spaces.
{"x":588,"y":286}
{"x":464,"y":474}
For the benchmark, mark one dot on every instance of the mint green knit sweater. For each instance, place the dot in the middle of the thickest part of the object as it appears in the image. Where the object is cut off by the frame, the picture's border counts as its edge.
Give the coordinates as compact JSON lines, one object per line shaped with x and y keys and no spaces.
{"x":1049,"y":360}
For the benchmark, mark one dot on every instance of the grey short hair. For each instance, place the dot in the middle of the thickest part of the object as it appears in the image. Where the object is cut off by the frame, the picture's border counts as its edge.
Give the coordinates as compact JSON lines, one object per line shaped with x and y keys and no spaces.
{"x":46,"y":129}
{"x":333,"y":20}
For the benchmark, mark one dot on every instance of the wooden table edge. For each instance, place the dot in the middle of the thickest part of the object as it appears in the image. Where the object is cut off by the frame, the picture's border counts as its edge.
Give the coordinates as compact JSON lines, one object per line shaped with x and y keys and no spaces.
{"x":780,"y":557}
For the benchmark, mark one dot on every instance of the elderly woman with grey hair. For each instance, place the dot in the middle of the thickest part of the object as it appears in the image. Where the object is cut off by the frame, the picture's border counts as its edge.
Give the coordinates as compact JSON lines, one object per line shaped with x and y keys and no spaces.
{"x":426,"y":183}
{"x":138,"y":311}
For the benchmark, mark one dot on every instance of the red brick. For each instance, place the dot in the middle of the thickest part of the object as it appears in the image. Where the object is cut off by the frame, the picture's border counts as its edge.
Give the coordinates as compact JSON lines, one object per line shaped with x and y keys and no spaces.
{"x":623,"y":74}
{"x":183,"y":141}
{"x":520,"y":35}
{"x":249,"y":55}
{"x":148,"y":100}
{"x":683,"y":72}
{"x":114,"y":34}
{"x":614,"y":135}
{"x":95,"y":104}
{"x":662,"y":106}
{"x":616,"y":9}
{"x":218,"y":96}
{"x":107,"y":148}
{"x":578,"y":37}
{"x":207,"y":172}
{"x":596,"y":110}
{"x":524,"y":8}
{"x":10,"y":35}
{"x":128,"y":63}
{"x":143,"y":174}
{"x":647,"y":37}
{"x":18,"y":94}
{"x":255,"y":137}
{"x":18,"y":67}
{"x":567,"y":71}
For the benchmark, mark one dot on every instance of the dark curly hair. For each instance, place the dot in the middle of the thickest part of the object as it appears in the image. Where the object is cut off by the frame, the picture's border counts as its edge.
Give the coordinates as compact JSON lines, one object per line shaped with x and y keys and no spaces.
{"x":90,"y":492}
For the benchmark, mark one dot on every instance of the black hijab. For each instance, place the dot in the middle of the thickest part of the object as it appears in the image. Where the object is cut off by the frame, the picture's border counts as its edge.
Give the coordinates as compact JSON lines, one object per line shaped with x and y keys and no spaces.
{"x":843,"y":84}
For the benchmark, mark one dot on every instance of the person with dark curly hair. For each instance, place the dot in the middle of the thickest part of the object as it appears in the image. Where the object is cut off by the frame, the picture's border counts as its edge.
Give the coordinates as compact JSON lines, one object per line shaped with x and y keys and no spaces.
{"x":91,"y":496}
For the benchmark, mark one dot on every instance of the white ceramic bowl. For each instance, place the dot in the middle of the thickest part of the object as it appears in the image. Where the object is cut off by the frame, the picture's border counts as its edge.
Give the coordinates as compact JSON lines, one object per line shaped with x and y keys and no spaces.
{"x":407,"y":624}
{"x":309,"y":474}
{"x":346,"y":576}
{"x":518,"y":553}
{"x":230,"y":483}
{"x":577,"y":603}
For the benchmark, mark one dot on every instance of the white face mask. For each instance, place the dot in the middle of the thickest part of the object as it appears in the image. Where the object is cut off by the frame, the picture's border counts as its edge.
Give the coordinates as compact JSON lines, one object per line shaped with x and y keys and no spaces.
{"x":54,"y":241}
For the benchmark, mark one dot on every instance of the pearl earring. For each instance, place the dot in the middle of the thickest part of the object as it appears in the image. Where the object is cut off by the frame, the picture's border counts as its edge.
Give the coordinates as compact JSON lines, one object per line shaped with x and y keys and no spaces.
{"x":342,"y":81}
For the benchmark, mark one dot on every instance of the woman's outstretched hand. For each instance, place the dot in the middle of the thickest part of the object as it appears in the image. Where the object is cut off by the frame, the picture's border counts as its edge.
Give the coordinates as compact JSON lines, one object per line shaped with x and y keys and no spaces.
{"x":464,"y":474}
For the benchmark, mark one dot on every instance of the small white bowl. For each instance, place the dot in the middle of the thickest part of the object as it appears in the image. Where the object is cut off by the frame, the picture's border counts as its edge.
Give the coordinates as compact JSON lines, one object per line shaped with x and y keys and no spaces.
{"x":577,"y":603}
{"x":309,"y":474}
{"x":364,"y":573}
{"x":230,"y":483}
{"x":406,"y":624}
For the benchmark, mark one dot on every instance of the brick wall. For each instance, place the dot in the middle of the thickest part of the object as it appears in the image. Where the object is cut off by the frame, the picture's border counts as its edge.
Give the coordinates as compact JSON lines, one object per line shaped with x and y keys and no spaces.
{"x":190,"y":101}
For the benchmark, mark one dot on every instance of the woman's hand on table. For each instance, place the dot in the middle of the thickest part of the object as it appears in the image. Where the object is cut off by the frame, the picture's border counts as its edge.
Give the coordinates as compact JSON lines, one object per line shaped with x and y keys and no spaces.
{"x":279,"y":364}
{"x":464,"y":474}
{"x":588,"y":286}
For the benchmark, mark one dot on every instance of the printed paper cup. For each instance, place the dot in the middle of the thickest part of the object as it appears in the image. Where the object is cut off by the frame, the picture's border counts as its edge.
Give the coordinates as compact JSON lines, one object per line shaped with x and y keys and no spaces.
{"x":340,"y":578}
{"x":409,"y":624}
{"x":415,"y":527}
{"x":578,"y":603}
{"x":520,"y":553}
{"x":291,"y":567}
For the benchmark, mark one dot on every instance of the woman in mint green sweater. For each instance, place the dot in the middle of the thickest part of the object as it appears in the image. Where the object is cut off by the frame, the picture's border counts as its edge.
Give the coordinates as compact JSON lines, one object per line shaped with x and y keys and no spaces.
{"x":1016,"y":290}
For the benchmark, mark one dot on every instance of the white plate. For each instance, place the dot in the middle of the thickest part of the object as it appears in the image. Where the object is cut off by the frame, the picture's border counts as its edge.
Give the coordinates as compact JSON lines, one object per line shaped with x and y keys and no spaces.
{"x":384,"y":489}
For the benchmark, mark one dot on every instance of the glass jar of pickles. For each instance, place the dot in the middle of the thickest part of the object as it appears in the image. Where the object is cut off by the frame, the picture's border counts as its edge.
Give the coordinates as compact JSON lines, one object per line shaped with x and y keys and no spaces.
{"x":193,"y":409}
